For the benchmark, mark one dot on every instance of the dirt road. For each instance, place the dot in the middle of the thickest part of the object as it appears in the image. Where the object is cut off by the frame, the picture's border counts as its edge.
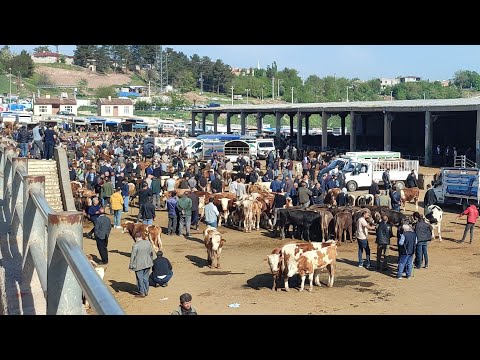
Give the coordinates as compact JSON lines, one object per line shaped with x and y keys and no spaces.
{"x":451,"y":284}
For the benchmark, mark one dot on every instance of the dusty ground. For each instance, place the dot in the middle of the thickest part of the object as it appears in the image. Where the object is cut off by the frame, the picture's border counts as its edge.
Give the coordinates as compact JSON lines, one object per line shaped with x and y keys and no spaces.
{"x":70,"y":77}
{"x":451,"y":284}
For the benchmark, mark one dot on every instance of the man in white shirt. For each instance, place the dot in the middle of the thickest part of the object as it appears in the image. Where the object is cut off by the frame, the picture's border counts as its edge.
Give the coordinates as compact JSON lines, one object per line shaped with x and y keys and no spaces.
{"x":211,"y":213}
{"x":362,"y":238}
{"x":170,"y":183}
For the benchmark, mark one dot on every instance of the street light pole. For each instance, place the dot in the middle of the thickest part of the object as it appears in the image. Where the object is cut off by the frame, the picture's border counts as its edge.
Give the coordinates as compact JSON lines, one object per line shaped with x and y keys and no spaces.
{"x":247,"y":90}
{"x":232,"y":93}
{"x":292,"y":94}
{"x":347,"y":92}
{"x":278,"y":88}
{"x":391,"y":95}
{"x":273,"y":88}
{"x":262,"y":93}
{"x":10,"y":93}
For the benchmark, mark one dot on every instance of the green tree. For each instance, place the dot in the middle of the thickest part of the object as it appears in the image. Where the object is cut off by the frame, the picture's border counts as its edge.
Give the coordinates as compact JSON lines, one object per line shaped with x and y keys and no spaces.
{"x":105,"y":92}
{"x":22,"y":64}
{"x":42,"y":48}
{"x":44,"y":79}
{"x":83,"y":54}
{"x":184,"y":80}
{"x":102,"y":58}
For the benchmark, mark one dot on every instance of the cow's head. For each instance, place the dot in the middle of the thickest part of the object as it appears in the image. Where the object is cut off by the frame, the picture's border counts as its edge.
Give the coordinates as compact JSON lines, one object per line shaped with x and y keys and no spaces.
{"x":274,"y":262}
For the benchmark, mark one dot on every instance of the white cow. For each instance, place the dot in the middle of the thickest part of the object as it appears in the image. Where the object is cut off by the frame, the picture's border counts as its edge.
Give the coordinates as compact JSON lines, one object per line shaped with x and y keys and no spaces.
{"x":434,"y":216}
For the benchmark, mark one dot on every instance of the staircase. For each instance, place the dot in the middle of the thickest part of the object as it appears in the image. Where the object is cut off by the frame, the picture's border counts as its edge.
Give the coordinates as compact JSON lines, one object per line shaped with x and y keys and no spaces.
{"x":48,"y":168}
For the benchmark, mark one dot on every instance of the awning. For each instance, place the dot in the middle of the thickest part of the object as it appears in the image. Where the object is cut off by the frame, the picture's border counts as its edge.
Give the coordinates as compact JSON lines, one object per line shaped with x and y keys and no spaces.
{"x":112,"y":122}
{"x":139,"y":126}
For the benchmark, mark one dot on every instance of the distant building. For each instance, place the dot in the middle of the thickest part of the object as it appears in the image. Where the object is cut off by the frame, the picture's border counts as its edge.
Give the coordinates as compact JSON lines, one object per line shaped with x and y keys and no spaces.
{"x":405,"y":79}
{"x":384,"y":82}
{"x":47,"y":57}
{"x":114,"y":107}
{"x":51,"y":106}
{"x":445,"y":83}
{"x":242,"y":72}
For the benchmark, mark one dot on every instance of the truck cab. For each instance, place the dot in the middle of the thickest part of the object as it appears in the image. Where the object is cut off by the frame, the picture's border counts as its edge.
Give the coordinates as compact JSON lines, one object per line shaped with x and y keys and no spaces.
{"x":457,"y":186}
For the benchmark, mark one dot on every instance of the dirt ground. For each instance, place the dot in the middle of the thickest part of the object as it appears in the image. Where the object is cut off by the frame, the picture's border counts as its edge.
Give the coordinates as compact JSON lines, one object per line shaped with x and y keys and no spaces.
{"x":451,"y":284}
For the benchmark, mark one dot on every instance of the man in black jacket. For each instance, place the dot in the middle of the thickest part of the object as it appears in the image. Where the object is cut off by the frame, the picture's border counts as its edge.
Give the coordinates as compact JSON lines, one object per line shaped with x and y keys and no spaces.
{"x":429,"y":199}
{"x":216,"y":185}
{"x":161,"y":271}
{"x":375,"y":191}
{"x":103,"y":225}
{"x":195,"y":202}
{"x":384,"y":233}
{"x":148,"y":212}
{"x":424,"y":235}
{"x":143,"y":196}
{"x":412,"y":180}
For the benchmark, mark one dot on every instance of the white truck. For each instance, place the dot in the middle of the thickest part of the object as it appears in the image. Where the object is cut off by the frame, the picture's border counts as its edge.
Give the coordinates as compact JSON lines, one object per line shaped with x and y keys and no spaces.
{"x":362,"y":173}
{"x":457,"y":186}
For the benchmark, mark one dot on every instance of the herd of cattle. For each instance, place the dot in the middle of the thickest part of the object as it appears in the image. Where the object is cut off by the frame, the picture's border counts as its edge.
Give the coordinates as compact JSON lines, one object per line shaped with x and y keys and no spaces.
{"x":255,"y":210}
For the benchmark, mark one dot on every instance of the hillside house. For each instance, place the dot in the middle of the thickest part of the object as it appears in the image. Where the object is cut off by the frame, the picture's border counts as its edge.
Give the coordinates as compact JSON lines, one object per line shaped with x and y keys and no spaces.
{"x":51,"y":106}
{"x":47,"y":57}
{"x":114,"y":107}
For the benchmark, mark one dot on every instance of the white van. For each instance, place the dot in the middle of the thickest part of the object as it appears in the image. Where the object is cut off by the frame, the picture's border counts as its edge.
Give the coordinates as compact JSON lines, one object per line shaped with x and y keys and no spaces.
{"x":264,"y":146}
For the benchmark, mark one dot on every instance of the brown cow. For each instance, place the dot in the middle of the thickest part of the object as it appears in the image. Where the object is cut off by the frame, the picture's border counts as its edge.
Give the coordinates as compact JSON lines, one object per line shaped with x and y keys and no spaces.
{"x":213,"y":241}
{"x":150,"y":231}
{"x":331,"y":197}
{"x":343,"y":222}
{"x":409,"y":195}
{"x":311,"y":262}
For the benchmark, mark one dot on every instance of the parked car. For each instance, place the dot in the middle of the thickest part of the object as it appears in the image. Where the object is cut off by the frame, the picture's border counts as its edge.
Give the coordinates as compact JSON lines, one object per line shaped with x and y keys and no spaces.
{"x":66,"y":113}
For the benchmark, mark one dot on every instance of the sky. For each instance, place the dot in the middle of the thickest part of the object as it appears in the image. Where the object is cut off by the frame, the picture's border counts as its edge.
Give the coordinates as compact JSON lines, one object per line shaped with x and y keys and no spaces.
{"x":430,"y":62}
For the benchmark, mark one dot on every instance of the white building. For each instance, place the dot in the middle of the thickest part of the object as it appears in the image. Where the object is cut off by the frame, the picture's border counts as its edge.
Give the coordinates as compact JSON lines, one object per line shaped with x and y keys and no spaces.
{"x":114,"y":107}
{"x":48,"y":57}
{"x":405,"y":79}
{"x":51,"y":106}
{"x":384,"y":82}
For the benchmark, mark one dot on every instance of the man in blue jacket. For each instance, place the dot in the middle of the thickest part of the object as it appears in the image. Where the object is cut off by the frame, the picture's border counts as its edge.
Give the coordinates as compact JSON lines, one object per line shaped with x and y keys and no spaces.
{"x":172,"y":213}
{"x":161,"y":271}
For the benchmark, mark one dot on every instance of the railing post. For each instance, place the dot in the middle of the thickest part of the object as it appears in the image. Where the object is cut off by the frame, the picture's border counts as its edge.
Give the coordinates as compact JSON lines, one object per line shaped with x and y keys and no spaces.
{"x":64,"y":295}
{"x":2,"y":168}
{"x":16,"y":202}
{"x":7,"y":175}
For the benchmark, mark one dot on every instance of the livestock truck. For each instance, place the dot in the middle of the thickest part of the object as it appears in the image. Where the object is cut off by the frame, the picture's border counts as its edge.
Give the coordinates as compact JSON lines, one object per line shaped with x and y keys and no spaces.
{"x":362,"y":173}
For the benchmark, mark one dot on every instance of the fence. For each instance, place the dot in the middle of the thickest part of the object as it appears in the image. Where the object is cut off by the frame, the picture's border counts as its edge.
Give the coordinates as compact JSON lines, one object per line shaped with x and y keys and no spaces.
{"x":49,"y":242}
{"x":462,"y":161}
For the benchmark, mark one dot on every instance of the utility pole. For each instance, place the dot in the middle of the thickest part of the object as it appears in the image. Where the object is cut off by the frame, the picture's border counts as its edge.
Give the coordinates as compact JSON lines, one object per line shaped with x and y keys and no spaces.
{"x":391,"y":95}
{"x":201,"y":83}
{"x":292,"y":94}
{"x":231,"y":88}
{"x":278,"y":88}
{"x":247,"y":90}
{"x":262,"y":92}
{"x":273,"y":88}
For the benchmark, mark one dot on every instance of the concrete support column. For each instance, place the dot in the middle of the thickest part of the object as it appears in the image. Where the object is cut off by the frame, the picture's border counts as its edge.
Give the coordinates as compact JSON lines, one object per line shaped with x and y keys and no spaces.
{"x":428,"y":138}
{"x":215,"y":122}
{"x":299,"y":130}
{"x":278,"y":123}
{"x":353,"y":136}
{"x":387,"y":131}
{"x":307,"y":123}
{"x":477,"y":140}
{"x":204,"y":125}
{"x":325,"y":117}
{"x":193,"y":123}
{"x":243,"y":117}
{"x":291,"y":124}
{"x":229,"y":123}
{"x":342,"y":124}
{"x":259,"y":122}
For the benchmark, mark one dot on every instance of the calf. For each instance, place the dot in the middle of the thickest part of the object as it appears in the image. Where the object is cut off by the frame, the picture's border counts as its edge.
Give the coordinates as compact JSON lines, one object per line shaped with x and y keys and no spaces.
{"x":434,"y":216}
{"x":152,"y":232}
{"x":343,"y":222}
{"x":100,"y":271}
{"x":312,"y":262}
{"x":407,"y":195}
{"x":213,"y":242}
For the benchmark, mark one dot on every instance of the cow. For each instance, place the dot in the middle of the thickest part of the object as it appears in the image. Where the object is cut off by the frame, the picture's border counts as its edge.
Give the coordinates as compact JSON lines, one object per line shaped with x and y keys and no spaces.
{"x":213,"y":241}
{"x":76,"y":186}
{"x":434,"y":216}
{"x":100,"y":271}
{"x":350,"y":200}
{"x":296,"y":217}
{"x":331,"y":197}
{"x":290,"y":254}
{"x":225,"y":202}
{"x":312,"y":262}
{"x":407,"y":195}
{"x":152,"y":232}
{"x":343,"y":222}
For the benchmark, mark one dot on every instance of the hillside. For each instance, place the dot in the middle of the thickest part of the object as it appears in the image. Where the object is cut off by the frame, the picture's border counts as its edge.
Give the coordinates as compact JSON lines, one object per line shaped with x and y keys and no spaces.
{"x":64,"y":76}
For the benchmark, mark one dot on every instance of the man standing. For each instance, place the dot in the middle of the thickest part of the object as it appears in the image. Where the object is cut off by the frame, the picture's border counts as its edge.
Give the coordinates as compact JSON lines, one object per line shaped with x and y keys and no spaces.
{"x":429,"y":199}
{"x":216,"y":185}
{"x":362,"y":238}
{"x":384,"y":233}
{"x":172,"y":213}
{"x":156,"y":188}
{"x":375,"y":191}
{"x":141,"y":260}
{"x":395,"y":197}
{"x":161,"y":271}
{"x":37,"y":141}
{"x":103,"y":225}
{"x":49,"y":140}
{"x":412,"y":180}
{"x":304,"y":195}
{"x":23,"y":141}
{"x":472,"y":216}
{"x":148,"y":212}
{"x":424,"y":235}
{"x":279,"y":202}
{"x":184,"y":206}
{"x":211,"y":213}
{"x":406,"y":248}
{"x":116,"y":201}
{"x":386,"y":179}
{"x":195,"y":203}
{"x":385,"y":200}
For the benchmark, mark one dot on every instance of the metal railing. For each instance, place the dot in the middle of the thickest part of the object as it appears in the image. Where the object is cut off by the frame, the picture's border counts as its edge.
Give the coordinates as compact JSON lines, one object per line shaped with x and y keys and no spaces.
{"x":462,"y":161}
{"x":52,"y":239}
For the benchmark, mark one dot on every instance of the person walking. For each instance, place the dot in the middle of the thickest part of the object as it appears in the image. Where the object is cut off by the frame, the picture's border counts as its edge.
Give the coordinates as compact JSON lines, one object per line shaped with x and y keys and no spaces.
{"x":162,"y":271}
{"x":386,"y":179}
{"x":472,"y":216}
{"x":141,"y":260}
{"x":211,"y":213}
{"x":185,"y":307}
{"x":406,"y":249}
{"x":362,"y":238}
{"x":38,"y":141}
{"x":412,"y":180}
{"x":424,"y":235}
{"x":116,"y":201}
{"x":103,"y":226}
{"x":384,"y":233}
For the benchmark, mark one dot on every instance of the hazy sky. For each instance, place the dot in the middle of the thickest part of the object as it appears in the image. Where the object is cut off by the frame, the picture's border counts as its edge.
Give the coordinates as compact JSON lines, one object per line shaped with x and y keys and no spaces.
{"x":432,"y":62}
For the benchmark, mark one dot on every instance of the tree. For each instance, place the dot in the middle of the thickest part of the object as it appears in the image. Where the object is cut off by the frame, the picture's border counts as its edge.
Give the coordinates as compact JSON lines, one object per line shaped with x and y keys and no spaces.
{"x":22,"y":64}
{"x":83,"y":54}
{"x":5,"y":57}
{"x":42,"y":48}
{"x":102,"y":58}
{"x":44,"y":79}
{"x":105,"y":92}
